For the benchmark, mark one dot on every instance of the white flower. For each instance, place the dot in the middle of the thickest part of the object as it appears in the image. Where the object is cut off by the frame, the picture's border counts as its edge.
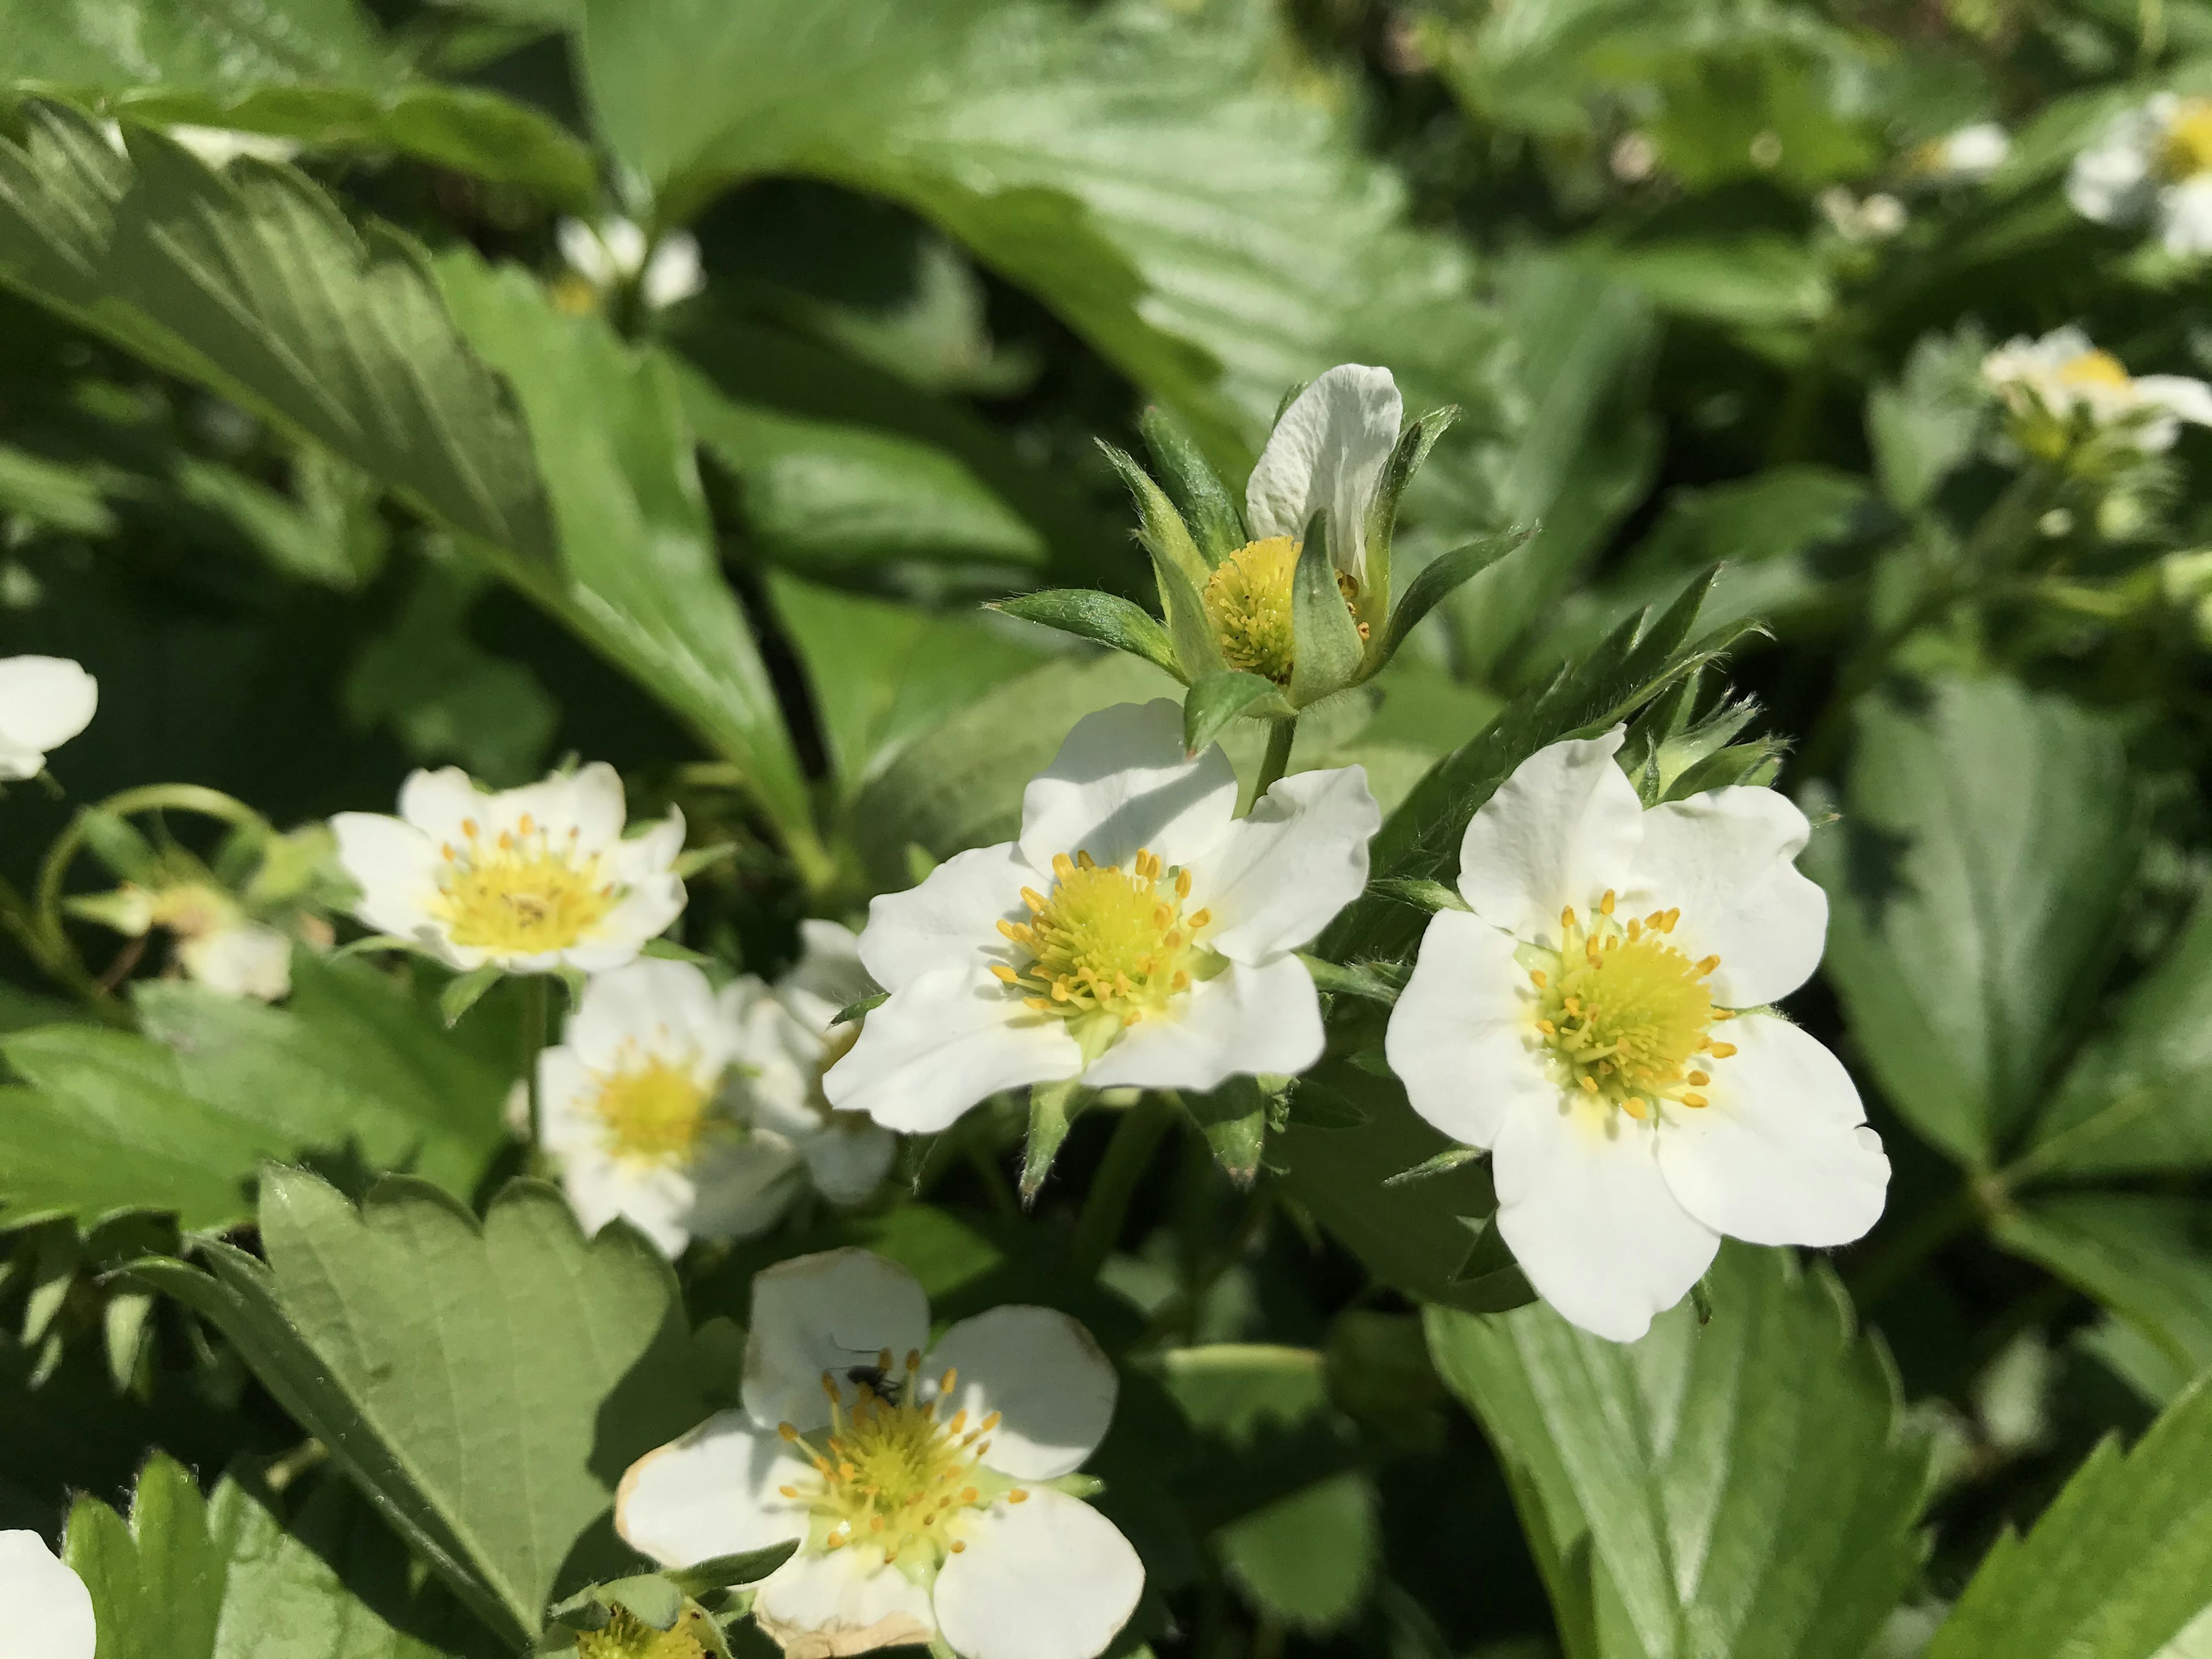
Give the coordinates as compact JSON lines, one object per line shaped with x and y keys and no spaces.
{"x":1874,"y":218}
{"x":786,"y":1041}
{"x":247,"y":960}
{"x":1599,"y":1023}
{"x":614,"y":252}
{"x":1967,"y":156}
{"x":1136,"y":935}
{"x":46,"y":1612}
{"x":44,"y":703}
{"x":2060,"y":381}
{"x":699,"y":1116}
{"x":2154,"y":163}
{"x":1325,"y":455}
{"x":942,"y":1509}
{"x":533,"y":879}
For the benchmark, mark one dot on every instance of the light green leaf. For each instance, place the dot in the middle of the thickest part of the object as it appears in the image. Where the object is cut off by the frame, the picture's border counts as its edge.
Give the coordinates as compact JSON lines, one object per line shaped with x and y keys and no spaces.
{"x":1743,"y":1487}
{"x":639,"y":574}
{"x":191,"y":45}
{"x":1310,"y":1559}
{"x":1105,"y":618}
{"x":488,"y":1423}
{"x":1929,"y":420}
{"x":199,"y":274}
{"x":1988,"y":835}
{"x":2118,"y":1567}
{"x":2146,"y":1259}
{"x":1759,"y":281}
{"x":52,"y":494}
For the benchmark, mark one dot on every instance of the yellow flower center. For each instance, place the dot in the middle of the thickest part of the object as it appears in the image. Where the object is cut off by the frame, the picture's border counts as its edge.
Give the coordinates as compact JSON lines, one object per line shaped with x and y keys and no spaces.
{"x":2185,"y":148}
{"x":626,"y":1636}
{"x":654,"y":1112}
{"x":1627,"y":1016}
{"x":1248,"y":601}
{"x":524,"y":894}
{"x":889,"y":1476}
{"x":2092,"y":368}
{"x":1108,"y":945}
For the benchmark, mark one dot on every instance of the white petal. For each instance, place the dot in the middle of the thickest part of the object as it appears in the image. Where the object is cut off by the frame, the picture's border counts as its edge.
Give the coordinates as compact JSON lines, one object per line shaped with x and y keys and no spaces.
{"x":46,"y":1612}
{"x":829,"y":975}
{"x":566,"y":1089}
{"x":590,"y":803}
{"x":653,"y":1006}
{"x":2178,"y":395}
{"x":440,"y":802}
{"x":656,"y":1199}
{"x":942,"y":1042}
{"x":1559,"y":832}
{"x":1781,"y":1155}
{"x":44,"y":703}
{"x":246,"y":961}
{"x":712,"y":1493}
{"x":952,"y":916}
{"x":585,"y":254}
{"x":2184,"y":219}
{"x":1726,"y":859}
{"x":742,"y":1186}
{"x":1050,"y":1578}
{"x":640,"y":915}
{"x":1325,"y":455}
{"x":821,"y":1606}
{"x":652,"y":851}
{"x":1119,"y":784}
{"x":2109,"y":181}
{"x":1043,"y":1374}
{"x":1590,"y":1219}
{"x":1462,"y":1038}
{"x":827,"y":1312}
{"x":1244,"y":1021}
{"x":848,"y":1160}
{"x":1284,"y":870}
{"x":776,"y":1084}
{"x":674,"y":272}
{"x":395,"y":865}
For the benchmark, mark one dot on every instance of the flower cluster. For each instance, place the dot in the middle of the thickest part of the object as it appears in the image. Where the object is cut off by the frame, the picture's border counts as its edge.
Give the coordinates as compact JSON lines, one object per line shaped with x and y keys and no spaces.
{"x":2153,"y":164}
{"x":2061,"y":390}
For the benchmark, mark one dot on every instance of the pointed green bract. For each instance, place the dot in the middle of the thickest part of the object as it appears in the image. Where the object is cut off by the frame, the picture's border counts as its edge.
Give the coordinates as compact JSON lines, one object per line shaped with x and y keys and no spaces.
{"x":1435,"y":583}
{"x":1108,"y":618}
{"x":1374,"y":601}
{"x":1191,"y":483}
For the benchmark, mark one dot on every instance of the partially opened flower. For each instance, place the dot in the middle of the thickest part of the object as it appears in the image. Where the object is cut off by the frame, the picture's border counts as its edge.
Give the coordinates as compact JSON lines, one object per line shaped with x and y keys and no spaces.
{"x":2154,"y":163}
{"x":649,"y":1111}
{"x":1599,"y":1023}
{"x":931,"y":1489}
{"x":46,"y":1612}
{"x":1138,"y":933}
{"x":217,"y":944}
{"x":2061,"y":390}
{"x":614,"y":252}
{"x":529,"y":879}
{"x":786,"y":1041}
{"x":44,"y":703}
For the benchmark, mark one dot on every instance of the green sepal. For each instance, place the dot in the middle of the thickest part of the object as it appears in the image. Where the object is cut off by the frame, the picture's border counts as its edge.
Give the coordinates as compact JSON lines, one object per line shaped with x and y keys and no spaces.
{"x":1436,"y":579}
{"x":1198,"y":653}
{"x":724,"y":1570}
{"x":1234,"y":1120}
{"x":1325,"y":643}
{"x":1219,"y":698}
{"x":1370,"y":981}
{"x":1422,"y":895}
{"x":649,"y":1597}
{"x":1159,"y":527}
{"x":463,"y":991}
{"x":1442,"y":1163}
{"x":853,"y":1011}
{"x":1106,"y":617}
{"x":1053,"y":1108}
{"x":1752,"y":764}
{"x":667,"y":950}
{"x":1413,"y":448}
{"x":1490,"y":1278}
{"x":1191,"y":482}
{"x":697,"y":859}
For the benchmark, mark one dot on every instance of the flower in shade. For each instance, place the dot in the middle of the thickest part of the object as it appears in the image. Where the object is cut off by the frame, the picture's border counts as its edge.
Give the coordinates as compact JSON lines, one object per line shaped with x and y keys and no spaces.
{"x":2061,"y":389}
{"x":1598,"y":1020}
{"x":44,"y":703}
{"x":1965,"y":156}
{"x":614,"y":252}
{"x":694,"y":1115}
{"x":2153,"y":163}
{"x":217,"y":944}
{"x":46,"y":1612}
{"x":529,"y":879}
{"x":1137,"y":934}
{"x":932,"y":1489}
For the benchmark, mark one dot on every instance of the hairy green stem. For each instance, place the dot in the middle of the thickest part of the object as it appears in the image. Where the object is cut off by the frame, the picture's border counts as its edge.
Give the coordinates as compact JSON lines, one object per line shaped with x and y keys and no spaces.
{"x":1128,"y":1154}
{"x":536,"y":1024}
{"x":1280,"y":736}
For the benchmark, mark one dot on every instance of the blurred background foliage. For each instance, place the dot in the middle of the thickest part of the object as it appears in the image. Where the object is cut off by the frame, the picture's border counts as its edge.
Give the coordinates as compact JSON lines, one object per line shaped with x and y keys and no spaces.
{"x":330,"y":464}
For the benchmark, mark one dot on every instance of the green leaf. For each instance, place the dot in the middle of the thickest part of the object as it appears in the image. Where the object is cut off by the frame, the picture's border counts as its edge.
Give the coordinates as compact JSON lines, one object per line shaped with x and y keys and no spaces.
{"x":198,"y":274}
{"x":1435,"y":582}
{"x":227,"y":1578}
{"x":194,"y":46}
{"x":463,"y":990}
{"x":1234,"y":1120}
{"x":2138,"y":1098}
{"x":1989,"y":836}
{"x":49,"y":493}
{"x":489,"y":1423}
{"x":1106,"y":618}
{"x":639,"y":575}
{"x":818,"y":493}
{"x":1310,"y":1559}
{"x":1211,"y":704}
{"x":2148,"y":1260}
{"x":1744,"y":1487}
{"x":1757,"y":280}
{"x":1192,"y":484}
{"x":2118,"y":1567}
{"x":1924,"y":425}
{"x":1325,"y":645}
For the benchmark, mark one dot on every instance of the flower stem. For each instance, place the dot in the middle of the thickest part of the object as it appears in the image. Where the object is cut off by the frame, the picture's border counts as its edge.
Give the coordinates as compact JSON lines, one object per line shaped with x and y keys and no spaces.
{"x":537,"y":1022}
{"x":1280,"y":735}
{"x":1128,"y":1154}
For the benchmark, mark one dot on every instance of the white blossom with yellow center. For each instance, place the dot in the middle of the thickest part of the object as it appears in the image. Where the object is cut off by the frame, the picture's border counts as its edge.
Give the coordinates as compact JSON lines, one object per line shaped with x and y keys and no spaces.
{"x":44,"y":703}
{"x":1138,"y":935}
{"x":1598,"y":1021}
{"x":2062,"y":386}
{"x":932,"y":1489}
{"x":645,"y":1108}
{"x":46,"y":1612}
{"x":2152,"y":164}
{"x":531,"y":879}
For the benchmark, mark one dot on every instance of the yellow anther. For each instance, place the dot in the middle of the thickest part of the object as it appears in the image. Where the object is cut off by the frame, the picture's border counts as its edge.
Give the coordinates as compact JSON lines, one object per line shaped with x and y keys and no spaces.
{"x":1708,"y":965}
{"x":1567,"y":917}
{"x":1182,"y":884}
{"x":1634,"y":1108}
{"x":788,"y":1492}
{"x":944,"y":1383}
{"x":959,"y":1548}
{"x":1694,"y":1100}
{"x":1062,"y":865}
{"x":968,"y":1494}
{"x":990,"y":1423}
{"x":1005,"y":975}
{"x":1588,"y":1083}
{"x":1547,"y":1028}
{"x":1538,"y":978}
{"x":1200,"y":919}
{"x":1083,"y":860}
{"x":1721,"y":1050}
{"x":1605,"y":904}
{"x":1017,"y":1496}
{"x":1699,"y":1078}
{"x":913,"y":1360}
{"x":1034,"y":899}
